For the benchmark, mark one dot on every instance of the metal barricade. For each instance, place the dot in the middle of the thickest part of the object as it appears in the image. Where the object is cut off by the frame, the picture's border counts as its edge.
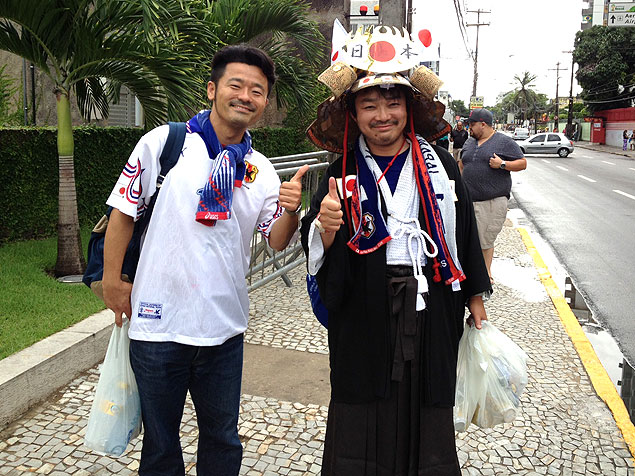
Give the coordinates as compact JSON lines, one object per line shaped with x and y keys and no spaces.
{"x":267,"y":264}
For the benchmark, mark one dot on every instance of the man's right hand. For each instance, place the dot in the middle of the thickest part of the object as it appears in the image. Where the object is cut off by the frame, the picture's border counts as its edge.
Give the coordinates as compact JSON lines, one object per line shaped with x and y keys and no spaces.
{"x":331,"y":209}
{"x":117,"y":297}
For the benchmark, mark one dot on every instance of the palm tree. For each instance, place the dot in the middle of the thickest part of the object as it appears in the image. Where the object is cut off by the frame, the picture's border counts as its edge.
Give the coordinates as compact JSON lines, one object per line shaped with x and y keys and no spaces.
{"x":524,"y":96}
{"x":159,"y":50}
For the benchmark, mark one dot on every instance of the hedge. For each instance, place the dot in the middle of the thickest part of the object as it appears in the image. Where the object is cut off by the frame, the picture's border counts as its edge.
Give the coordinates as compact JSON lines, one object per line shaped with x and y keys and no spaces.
{"x":29,"y":185}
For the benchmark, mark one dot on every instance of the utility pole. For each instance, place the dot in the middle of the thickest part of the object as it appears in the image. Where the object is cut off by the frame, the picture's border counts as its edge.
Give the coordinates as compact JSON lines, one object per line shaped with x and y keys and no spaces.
{"x":392,"y":12}
{"x":557,"y":70}
{"x":478,"y":25}
{"x":569,"y":129}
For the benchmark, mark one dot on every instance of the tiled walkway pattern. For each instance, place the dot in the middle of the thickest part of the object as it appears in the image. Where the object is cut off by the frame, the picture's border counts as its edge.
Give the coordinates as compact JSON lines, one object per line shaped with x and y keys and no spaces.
{"x":565,"y":429}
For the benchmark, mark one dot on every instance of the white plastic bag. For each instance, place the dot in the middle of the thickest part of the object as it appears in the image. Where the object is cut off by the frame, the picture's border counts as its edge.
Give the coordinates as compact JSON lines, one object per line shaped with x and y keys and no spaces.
{"x":115,"y":417}
{"x":491,"y":376}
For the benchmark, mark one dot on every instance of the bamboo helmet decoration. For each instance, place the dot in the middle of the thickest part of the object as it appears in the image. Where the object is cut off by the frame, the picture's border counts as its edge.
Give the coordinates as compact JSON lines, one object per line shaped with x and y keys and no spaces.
{"x":380,"y":56}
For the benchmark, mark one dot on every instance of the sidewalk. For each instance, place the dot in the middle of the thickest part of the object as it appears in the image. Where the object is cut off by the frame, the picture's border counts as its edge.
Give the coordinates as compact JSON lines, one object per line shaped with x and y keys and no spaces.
{"x":609,"y":149}
{"x":565,"y":427}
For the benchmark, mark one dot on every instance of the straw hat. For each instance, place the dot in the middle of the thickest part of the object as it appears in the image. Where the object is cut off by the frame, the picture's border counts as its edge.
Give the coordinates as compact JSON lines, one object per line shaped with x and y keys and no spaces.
{"x":381,"y":56}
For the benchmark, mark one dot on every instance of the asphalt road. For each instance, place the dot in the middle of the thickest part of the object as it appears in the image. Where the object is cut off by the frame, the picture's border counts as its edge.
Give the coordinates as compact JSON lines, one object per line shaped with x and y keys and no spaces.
{"x":584,"y":207}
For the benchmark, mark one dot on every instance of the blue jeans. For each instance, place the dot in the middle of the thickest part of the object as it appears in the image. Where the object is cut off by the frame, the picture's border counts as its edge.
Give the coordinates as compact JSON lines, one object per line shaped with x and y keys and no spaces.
{"x":165,"y":371}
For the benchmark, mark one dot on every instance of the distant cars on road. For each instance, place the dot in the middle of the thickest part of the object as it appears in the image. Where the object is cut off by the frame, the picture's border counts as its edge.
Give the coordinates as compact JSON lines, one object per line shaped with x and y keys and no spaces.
{"x":520,"y":133}
{"x":547,"y":143}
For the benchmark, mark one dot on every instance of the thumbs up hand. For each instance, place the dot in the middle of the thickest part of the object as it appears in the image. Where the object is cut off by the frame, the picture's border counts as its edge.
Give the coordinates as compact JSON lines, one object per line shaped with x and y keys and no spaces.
{"x":291,"y":192}
{"x":331,"y":209}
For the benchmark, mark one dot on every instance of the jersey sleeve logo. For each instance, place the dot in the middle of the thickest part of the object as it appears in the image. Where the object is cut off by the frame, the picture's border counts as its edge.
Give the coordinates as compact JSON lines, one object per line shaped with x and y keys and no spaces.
{"x":131,"y":187}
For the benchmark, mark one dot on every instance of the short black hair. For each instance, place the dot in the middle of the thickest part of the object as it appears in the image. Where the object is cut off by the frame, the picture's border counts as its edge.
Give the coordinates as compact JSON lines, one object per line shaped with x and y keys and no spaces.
{"x":246,"y":54}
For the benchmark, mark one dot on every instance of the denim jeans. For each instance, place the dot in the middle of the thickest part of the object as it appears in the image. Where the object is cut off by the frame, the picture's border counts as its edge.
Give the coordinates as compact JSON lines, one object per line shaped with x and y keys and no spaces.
{"x":165,"y":371}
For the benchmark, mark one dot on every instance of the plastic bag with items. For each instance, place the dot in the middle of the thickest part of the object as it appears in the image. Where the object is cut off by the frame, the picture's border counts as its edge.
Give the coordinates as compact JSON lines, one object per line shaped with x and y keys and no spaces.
{"x":115,"y":417}
{"x":491,"y":377}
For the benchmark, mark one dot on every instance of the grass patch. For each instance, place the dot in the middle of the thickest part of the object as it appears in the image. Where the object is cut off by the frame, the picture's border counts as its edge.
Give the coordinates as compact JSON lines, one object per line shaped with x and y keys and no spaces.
{"x":33,"y":305}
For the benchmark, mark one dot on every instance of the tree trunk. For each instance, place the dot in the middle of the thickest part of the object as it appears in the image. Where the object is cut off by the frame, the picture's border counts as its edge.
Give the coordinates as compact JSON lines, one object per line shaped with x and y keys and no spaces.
{"x":70,"y":258}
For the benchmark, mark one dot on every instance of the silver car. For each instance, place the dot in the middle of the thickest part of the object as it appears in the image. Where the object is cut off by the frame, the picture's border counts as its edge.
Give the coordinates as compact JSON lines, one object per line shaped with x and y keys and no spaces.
{"x":547,"y":143}
{"x":520,"y":133}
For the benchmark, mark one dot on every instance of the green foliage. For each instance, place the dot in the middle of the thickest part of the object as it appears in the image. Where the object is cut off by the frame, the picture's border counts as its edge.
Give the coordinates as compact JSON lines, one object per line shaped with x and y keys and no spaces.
{"x":459,"y":108}
{"x":28,"y":156}
{"x":606,"y":66}
{"x":10,"y":113}
{"x":277,"y":141}
{"x":32,"y":304}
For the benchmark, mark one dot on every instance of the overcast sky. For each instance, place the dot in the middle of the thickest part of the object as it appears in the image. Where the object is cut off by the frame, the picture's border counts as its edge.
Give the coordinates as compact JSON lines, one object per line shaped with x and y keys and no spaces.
{"x":523,"y":35}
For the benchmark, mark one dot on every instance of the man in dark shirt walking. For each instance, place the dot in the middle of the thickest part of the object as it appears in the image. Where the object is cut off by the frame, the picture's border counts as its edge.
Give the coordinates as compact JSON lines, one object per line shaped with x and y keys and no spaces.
{"x":458,"y":136}
{"x":486,"y":162}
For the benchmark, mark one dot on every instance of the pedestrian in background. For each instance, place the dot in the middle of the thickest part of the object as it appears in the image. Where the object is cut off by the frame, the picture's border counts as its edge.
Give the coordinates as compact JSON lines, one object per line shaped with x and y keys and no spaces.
{"x":458,"y":136}
{"x":189,"y":304}
{"x":624,"y":139}
{"x":486,"y":162}
{"x":444,"y":141}
{"x":631,"y":140}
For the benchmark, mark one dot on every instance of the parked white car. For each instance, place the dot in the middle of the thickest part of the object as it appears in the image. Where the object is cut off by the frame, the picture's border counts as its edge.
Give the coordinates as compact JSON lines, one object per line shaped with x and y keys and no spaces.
{"x":547,"y":143}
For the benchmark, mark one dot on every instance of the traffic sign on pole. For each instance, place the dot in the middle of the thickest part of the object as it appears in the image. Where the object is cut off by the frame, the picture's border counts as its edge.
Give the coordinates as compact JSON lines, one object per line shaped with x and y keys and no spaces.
{"x":621,"y":14}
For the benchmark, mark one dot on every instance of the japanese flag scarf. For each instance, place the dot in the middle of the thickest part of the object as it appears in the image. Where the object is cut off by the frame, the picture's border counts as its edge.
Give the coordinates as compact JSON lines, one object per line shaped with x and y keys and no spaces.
{"x":228,"y":171}
{"x":439,"y":215}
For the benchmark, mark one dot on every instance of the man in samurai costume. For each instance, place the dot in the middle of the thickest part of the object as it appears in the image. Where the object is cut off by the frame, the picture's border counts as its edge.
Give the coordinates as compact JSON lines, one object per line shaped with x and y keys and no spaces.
{"x":391,"y":239}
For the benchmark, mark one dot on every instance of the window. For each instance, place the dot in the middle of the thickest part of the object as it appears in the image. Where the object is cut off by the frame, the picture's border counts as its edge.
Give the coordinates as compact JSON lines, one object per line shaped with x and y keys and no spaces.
{"x":554,"y":138}
{"x":540,"y":138}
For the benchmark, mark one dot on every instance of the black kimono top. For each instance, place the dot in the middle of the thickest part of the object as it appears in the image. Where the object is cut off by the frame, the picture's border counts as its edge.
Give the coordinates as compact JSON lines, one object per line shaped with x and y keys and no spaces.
{"x":353,"y":288}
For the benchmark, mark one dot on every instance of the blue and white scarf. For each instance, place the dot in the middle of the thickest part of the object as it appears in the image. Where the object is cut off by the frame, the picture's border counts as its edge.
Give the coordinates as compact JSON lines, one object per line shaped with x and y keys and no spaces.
{"x":430,"y":176}
{"x":228,"y":171}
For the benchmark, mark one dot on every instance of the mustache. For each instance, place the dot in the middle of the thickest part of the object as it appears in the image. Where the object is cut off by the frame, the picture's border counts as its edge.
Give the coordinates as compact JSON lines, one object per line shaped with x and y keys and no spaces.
{"x":384,"y":123}
{"x":238,"y":102}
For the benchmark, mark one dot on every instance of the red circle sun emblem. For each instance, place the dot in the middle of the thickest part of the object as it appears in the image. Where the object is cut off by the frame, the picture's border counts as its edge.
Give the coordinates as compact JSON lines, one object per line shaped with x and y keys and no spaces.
{"x":381,"y":51}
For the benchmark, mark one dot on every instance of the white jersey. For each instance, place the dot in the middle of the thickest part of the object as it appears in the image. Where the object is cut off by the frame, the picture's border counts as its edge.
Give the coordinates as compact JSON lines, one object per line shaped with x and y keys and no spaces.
{"x":190,"y":283}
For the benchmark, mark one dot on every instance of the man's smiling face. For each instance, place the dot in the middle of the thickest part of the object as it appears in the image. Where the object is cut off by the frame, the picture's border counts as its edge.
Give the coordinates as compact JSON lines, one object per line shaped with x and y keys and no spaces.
{"x":240,"y":97}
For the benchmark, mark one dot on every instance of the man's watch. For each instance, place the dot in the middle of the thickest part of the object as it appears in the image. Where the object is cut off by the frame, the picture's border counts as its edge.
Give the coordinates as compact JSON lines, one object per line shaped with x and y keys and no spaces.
{"x":294,"y":212}
{"x":502,"y":165}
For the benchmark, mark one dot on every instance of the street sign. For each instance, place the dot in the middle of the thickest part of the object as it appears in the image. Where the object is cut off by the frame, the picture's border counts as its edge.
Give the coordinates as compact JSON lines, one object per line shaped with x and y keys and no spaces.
{"x":476,"y":102}
{"x":622,"y":7}
{"x":621,"y":14}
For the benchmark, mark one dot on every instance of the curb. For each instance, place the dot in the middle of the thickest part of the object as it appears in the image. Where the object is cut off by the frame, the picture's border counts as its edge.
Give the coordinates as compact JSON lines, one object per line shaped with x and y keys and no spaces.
{"x":594,"y":368}
{"x":609,"y":151}
{"x":30,"y":376}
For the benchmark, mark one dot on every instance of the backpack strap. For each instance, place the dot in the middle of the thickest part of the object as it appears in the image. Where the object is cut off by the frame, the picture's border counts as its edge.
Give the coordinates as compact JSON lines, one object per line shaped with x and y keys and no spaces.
{"x":171,"y":150}
{"x":168,"y":159}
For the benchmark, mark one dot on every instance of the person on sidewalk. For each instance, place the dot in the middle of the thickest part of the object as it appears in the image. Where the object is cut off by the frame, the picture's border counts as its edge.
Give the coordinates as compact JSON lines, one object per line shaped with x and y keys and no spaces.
{"x":458,"y":136}
{"x":625,"y":139}
{"x":486,"y":162}
{"x":391,"y":240}
{"x":631,"y":140}
{"x":189,"y":305}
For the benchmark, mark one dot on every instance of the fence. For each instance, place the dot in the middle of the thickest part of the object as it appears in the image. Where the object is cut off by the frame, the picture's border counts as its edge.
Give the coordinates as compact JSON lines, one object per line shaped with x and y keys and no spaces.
{"x":267,"y":264}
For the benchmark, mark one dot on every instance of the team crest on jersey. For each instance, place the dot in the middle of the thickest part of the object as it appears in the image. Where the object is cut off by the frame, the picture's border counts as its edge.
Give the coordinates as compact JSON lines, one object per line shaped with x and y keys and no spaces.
{"x":368,"y":225}
{"x":250,"y":172}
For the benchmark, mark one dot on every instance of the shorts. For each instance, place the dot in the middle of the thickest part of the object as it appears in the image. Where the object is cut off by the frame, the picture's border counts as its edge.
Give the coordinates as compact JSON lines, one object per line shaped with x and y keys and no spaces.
{"x":456,"y":153}
{"x":490,"y":218}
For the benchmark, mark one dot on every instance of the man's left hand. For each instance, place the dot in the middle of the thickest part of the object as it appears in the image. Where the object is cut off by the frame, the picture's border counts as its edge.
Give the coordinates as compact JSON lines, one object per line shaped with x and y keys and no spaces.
{"x":291,"y":192}
{"x":495,"y":162}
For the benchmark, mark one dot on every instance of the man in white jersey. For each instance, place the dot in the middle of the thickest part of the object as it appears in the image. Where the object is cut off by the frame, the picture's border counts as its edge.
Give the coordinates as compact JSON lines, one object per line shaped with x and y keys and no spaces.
{"x":189,"y":305}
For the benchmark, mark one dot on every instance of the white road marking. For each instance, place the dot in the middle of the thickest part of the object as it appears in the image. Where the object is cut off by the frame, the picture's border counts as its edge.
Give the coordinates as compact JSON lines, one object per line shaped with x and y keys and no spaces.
{"x":586,"y":178}
{"x":625,"y":194}
{"x":562,"y":168}
{"x":546,"y":161}
{"x":606,"y":162}
{"x":631,"y":168}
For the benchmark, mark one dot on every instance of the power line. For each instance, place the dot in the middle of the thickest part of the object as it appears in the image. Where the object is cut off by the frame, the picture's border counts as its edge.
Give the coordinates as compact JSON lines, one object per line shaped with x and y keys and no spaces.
{"x":459,"y":17}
